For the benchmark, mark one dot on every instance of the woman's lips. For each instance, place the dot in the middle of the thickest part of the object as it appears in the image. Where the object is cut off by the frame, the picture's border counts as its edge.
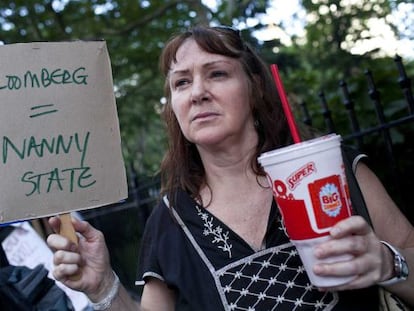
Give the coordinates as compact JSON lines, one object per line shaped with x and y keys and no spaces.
{"x":204,"y":115}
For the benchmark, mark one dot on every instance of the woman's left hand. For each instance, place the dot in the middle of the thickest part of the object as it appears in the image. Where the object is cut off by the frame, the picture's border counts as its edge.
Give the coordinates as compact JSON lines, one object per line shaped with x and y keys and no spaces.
{"x":371,"y":263}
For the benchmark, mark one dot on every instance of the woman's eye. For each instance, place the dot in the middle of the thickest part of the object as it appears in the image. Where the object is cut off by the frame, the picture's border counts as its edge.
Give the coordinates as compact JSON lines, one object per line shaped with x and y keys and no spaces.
{"x":180,"y":82}
{"x":218,"y":74}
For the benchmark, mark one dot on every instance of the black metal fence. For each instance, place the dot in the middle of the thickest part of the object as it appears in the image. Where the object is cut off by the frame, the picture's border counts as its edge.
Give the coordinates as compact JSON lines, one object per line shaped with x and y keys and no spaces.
{"x":394,"y":162}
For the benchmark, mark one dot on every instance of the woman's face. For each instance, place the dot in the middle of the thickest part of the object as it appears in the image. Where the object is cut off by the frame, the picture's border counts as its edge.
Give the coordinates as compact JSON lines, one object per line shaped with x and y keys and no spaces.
{"x":210,"y":97}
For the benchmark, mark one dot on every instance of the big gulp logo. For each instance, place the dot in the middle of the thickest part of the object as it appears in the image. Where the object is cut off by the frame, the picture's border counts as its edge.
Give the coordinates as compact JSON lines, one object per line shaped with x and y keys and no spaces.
{"x":328,"y":202}
{"x":297,"y":176}
{"x":330,"y":199}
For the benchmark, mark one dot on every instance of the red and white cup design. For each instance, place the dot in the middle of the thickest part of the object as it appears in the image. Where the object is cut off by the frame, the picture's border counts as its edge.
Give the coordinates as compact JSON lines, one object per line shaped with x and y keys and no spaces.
{"x":325,"y":204}
{"x":310,"y":188}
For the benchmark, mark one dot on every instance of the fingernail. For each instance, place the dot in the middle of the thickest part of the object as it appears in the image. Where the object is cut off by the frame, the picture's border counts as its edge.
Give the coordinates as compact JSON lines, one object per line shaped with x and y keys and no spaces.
{"x":317,"y":269}
{"x":317,"y":253}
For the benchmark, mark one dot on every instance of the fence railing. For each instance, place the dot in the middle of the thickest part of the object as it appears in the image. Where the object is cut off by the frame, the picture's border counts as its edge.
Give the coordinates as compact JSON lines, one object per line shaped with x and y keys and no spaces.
{"x":393,"y":176}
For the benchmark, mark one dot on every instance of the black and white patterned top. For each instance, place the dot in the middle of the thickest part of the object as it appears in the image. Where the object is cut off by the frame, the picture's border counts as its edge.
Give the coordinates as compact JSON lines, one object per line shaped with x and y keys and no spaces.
{"x":211,"y":268}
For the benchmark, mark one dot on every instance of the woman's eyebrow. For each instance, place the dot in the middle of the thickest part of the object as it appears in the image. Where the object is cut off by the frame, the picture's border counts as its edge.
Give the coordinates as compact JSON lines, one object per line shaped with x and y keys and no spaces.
{"x":206,"y":65}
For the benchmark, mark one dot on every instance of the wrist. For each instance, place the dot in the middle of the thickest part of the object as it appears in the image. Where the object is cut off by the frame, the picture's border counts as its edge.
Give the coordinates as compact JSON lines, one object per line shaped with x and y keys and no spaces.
{"x":108,"y":296}
{"x":397,"y":271}
{"x":387,"y":264}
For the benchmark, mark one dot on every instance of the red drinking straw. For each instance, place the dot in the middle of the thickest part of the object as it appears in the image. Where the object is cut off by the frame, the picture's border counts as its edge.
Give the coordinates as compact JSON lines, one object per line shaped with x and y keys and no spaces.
{"x":285,"y":104}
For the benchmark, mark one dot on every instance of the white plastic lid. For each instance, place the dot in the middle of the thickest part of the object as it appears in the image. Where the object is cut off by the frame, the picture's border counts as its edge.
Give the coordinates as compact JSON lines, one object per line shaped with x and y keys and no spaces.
{"x":299,"y":150}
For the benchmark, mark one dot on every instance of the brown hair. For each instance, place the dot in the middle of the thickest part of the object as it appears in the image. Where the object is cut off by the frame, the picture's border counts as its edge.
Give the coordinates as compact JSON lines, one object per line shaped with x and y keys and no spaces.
{"x":182,"y":166}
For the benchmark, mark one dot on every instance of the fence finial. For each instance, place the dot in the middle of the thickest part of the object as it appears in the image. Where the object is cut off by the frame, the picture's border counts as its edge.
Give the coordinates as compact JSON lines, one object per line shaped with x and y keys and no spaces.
{"x":405,"y":84}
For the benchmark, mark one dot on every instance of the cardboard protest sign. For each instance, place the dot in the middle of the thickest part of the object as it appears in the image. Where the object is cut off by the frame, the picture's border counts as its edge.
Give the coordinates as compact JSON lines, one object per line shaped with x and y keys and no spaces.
{"x":59,"y":130}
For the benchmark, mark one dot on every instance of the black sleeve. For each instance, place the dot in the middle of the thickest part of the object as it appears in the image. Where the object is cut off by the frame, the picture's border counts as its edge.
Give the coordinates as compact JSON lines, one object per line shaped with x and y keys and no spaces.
{"x":351,"y":157}
{"x":148,"y":263}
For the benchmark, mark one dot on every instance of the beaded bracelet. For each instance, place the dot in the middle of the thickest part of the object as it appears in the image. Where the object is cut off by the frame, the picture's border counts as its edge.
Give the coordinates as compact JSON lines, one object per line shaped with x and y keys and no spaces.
{"x":107,"y":301}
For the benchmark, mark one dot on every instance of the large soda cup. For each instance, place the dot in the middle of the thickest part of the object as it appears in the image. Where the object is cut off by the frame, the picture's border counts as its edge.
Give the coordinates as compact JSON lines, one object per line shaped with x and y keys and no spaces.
{"x":310,"y":188}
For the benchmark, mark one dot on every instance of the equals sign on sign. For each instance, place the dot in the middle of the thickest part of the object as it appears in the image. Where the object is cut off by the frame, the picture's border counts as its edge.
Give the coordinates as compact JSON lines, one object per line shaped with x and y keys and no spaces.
{"x":37,"y":111}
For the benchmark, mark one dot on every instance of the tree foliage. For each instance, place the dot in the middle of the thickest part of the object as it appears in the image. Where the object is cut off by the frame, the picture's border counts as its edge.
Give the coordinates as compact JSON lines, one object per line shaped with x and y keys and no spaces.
{"x":322,"y":60}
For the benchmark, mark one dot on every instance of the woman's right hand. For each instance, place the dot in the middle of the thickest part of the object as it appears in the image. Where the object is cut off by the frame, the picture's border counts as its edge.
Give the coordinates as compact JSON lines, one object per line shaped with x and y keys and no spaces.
{"x":90,"y":259}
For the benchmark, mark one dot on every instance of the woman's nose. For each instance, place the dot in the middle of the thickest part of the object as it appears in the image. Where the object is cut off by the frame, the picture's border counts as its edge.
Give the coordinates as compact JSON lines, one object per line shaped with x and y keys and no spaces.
{"x":199,"y":91}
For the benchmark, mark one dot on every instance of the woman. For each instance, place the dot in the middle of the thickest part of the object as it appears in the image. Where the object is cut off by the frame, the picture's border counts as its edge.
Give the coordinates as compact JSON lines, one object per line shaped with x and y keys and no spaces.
{"x":216,"y":240}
